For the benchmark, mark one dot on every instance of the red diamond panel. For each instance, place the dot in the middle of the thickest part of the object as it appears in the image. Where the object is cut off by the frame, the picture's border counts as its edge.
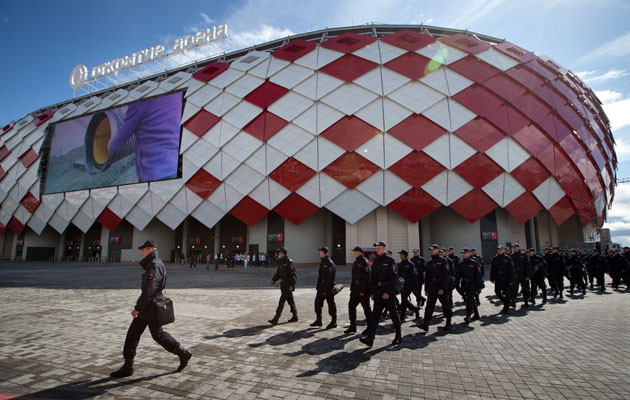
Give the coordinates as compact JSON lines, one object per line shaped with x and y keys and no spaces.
{"x":15,"y":225}
{"x":201,"y":122}
{"x":292,"y":174}
{"x":533,"y":139}
{"x":415,"y":204}
{"x":562,"y":210}
{"x":515,"y":52}
{"x":109,"y":219}
{"x":504,"y":87}
{"x":524,"y":207}
{"x":474,"y":205}
{"x":467,"y":43}
{"x":43,"y":117}
{"x":3,"y":173}
{"x":531,"y":174}
{"x":525,"y":77}
{"x":417,"y":168}
{"x":265,"y":125}
{"x":4,"y":151}
{"x":203,"y":183}
{"x":531,"y":106}
{"x":29,"y":157}
{"x":348,"y":42}
{"x":7,"y":128}
{"x":417,"y":131}
{"x":408,"y":40}
{"x":294,"y":50}
{"x":266,"y":94}
{"x":508,"y":119}
{"x":249,"y":211}
{"x":30,"y":202}
{"x":480,"y":134}
{"x":210,"y":71}
{"x":351,"y":169}
{"x":478,"y":99}
{"x":479,"y":170}
{"x":473,"y":68}
{"x":295,"y":208}
{"x":413,"y":65}
{"x":348,"y":67}
{"x":350,"y":132}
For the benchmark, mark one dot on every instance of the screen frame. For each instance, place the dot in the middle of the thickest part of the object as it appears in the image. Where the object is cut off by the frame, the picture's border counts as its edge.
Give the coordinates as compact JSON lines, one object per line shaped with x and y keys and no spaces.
{"x":50,"y":130}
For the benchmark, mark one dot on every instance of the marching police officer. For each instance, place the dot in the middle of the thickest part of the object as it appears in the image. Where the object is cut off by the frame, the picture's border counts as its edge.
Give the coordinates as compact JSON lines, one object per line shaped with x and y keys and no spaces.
{"x":619,"y":265}
{"x":437,"y":282}
{"x":144,"y":313}
{"x":285,"y":273}
{"x":419,"y":262}
{"x":468,"y":280}
{"x":539,"y":271}
{"x":482,"y":268}
{"x":384,"y":280}
{"x":576,"y":272}
{"x":451,"y":271}
{"x":502,"y":275}
{"x":359,"y":290}
{"x":557,"y":269}
{"x":325,"y":285}
{"x":523,"y":271}
{"x":600,"y":267}
{"x":407,"y":271}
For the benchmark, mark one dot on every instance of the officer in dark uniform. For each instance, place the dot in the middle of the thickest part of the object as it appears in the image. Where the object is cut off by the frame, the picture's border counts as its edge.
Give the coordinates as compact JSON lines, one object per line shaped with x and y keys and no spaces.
{"x":482,"y":268}
{"x":576,"y":272}
{"x":523,"y":270}
{"x":144,"y":314}
{"x":325,"y":285}
{"x":451,"y":254}
{"x":557,"y":270}
{"x":626,"y":277}
{"x":359,"y":290}
{"x":407,"y":271}
{"x":600,"y":267}
{"x":384,"y":279}
{"x":619,"y":264}
{"x":419,"y":262}
{"x":285,"y":273}
{"x":502,"y":275}
{"x":589,"y":269}
{"x":451,"y":271}
{"x":547,"y":257}
{"x":468,"y":281}
{"x":539,"y":271}
{"x":437,"y":282}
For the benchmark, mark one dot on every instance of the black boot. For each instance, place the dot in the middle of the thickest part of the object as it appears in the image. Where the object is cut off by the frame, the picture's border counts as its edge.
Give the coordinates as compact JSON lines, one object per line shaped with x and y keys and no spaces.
{"x":417,"y":313}
{"x":124,"y":371}
{"x":184,"y":357}
{"x":369,"y":339}
{"x":475,"y":316}
{"x":447,"y":327}
{"x":294,"y":318}
{"x":274,"y":320}
{"x":506,"y":309}
{"x":424,"y":326}
{"x":467,"y":319}
{"x":351,"y":329}
{"x":365,"y":332}
{"x":333,"y":323}
{"x":398,"y":338}
{"x":318,"y":321}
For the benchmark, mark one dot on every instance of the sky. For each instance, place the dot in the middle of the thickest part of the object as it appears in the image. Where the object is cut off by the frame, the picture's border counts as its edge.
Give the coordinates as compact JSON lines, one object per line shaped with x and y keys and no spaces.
{"x":44,"y":40}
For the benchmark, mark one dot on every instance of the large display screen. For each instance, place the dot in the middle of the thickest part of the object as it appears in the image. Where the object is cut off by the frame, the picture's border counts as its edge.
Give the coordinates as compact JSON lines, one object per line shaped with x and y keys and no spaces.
{"x":137,"y":142}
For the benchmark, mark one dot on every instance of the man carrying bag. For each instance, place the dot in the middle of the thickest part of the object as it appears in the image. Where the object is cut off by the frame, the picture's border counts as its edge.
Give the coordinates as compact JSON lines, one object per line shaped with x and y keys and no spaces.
{"x":145,"y":313}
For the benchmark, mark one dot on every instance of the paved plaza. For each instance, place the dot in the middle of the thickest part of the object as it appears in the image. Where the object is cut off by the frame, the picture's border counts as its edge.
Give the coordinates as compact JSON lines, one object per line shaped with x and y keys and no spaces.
{"x":62,"y":328}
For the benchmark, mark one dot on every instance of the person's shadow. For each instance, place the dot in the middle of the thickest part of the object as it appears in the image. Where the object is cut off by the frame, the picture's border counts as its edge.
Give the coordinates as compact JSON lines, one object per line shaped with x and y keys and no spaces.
{"x":87,"y":389}
{"x":285,"y":338}
{"x":240,"y":332}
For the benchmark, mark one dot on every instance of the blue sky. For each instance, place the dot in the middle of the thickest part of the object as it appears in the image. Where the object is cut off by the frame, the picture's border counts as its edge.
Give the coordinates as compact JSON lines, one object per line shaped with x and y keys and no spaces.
{"x":44,"y":40}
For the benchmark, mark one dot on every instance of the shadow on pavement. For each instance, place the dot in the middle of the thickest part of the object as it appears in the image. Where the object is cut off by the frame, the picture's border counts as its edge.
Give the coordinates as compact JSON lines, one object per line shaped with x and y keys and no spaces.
{"x":240,"y":332}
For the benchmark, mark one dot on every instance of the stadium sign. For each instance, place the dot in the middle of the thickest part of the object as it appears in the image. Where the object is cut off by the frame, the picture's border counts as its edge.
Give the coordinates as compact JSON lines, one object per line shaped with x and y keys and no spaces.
{"x":80,"y":74}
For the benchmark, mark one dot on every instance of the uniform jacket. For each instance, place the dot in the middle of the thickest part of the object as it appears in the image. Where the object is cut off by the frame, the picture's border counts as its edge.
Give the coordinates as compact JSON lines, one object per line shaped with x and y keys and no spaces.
{"x":153,"y":283}
{"x":360,"y":277}
{"x":522,"y":267}
{"x":438,"y":275}
{"x":575,"y":267}
{"x":384,"y":277}
{"x":285,"y":272}
{"x":479,"y":260}
{"x":539,"y":267}
{"x":420,"y":264}
{"x":407,"y":270}
{"x":599,"y":264}
{"x":468,"y":275}
{"x":502,"y":270}
{"x":557,"y":265}
{"x":326,"y":277}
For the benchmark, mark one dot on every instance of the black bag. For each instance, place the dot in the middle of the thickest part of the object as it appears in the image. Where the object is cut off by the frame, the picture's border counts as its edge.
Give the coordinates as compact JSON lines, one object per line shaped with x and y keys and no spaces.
{"x":164,"y":312}
{"x":400,"y":283}
{"x":337,"y":288}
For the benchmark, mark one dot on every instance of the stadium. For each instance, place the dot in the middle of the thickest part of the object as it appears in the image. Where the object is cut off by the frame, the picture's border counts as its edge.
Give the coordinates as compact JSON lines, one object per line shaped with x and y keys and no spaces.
{"x":407,"y":134}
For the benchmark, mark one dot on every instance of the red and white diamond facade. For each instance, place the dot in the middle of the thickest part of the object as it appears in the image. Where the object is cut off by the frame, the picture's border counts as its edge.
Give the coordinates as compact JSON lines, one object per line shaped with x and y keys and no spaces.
{"x":351,"y":122}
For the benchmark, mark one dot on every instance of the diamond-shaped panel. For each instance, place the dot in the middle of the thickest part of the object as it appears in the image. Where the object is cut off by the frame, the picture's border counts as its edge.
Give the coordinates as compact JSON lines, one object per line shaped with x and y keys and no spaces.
{"x":109,"y":219}
{"x":417,"y":131}
{"x":292,"y":75}
{"x":413,"y":65}
{"x":203,"y":183}
{"x":348,"y":42}
{"x":352,"y":205}
{"x":30,"y":202}
{"x":524,"y":207}
{"x":530,"y":174}
{"x":497,"y":59}
{"x":417,"y":168}
{"x":474,"y":205}
{"x":294,"y":50}
{"x":408,"y":40}
{"x":549,"y":192}
{"x":475,"y":69}
{"x":415,"y":204}
{"x":479,"y":170}
{"x":351,"y":169}
{"x":467,"y":43}
{"x":295,"y":208}
{"x":505,"y":87}
{"x":348,"y":68}
{"x":290,"y":106}
{"x":562,"y":210}
{"x":290,"y":139}
{"x":481,"y":101}
{"x":480,"y":134}
{"x":416,"y":96}
{"x":265,"y":125}
{"x":269,"y":193}
{"x":266,"y":94}
{"x":349,"y":98}
{"x":350,"y":132}
{"x":211,"y":71}
{"x":249,"y":211}
{"x":292,"y":174}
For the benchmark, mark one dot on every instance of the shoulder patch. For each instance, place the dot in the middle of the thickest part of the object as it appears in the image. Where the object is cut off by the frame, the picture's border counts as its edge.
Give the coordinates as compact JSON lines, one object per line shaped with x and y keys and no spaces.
{"x":151,"y":274}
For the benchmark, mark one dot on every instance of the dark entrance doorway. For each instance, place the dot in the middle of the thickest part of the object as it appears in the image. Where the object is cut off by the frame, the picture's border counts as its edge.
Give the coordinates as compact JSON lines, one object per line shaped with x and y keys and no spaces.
{"x":233,"y":236}
{"x":489,"y":236}
{"x":72,"y":245}
{"x":200,"y":241}
{"x":92,"y":247}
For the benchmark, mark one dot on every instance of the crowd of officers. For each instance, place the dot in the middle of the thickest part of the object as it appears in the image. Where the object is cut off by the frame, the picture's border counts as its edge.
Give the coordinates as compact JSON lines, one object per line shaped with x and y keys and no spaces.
{"x":513,"y":271}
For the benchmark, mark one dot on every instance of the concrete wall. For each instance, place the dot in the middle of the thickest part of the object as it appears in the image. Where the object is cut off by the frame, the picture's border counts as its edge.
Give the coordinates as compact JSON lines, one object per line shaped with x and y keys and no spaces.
{"x":571,"y":230}
{"x":508,"y":229}
{"x":155,"y":230}
{"x":48,"y":238}
{"x":303,"y":240}
{"x":257,"y":234}
{"x":449,"y":229}
{"x":547,"y":230}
